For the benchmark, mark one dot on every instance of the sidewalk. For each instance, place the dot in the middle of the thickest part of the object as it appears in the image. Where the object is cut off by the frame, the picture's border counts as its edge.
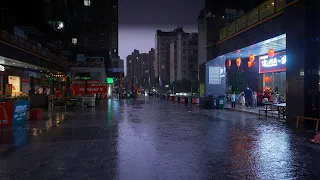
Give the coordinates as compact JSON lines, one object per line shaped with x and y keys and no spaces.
{"x":250,"y":110}
{"x":18,"y":136}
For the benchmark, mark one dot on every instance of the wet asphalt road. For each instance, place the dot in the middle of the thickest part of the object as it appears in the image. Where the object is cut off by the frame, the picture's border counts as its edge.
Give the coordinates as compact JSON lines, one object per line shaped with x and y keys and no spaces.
{"x":150,"y":139}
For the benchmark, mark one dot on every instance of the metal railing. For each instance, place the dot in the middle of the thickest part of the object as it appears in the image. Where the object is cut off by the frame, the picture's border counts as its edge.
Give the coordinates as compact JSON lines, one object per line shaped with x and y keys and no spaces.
{"x":265,"y":10}
{"x":32,"y":48}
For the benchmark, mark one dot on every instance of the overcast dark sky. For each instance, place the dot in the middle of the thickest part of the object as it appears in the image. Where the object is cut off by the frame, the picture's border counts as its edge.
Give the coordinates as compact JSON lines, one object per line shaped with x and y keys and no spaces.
{"x":139,"y":20}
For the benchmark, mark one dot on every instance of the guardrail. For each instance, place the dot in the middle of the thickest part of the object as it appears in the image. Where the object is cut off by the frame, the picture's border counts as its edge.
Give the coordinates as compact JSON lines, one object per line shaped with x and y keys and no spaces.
{"x":265,"y":10}
{"x":32,"y":48}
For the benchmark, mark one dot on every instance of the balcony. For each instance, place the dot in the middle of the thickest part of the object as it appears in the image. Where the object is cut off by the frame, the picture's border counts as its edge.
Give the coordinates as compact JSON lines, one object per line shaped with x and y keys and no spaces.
{"x":20,"y":49}
{"x":266,"y":10}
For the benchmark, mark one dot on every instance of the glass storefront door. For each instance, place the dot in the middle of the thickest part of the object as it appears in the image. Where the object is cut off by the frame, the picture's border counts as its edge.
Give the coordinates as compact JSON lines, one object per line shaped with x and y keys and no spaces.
{"x":273,"y":79}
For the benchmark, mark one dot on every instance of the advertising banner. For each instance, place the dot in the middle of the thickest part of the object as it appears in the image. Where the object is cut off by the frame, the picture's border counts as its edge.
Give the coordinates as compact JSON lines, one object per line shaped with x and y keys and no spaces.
{"x":28,"y":74}
{"x":253,"y":17}
{"x":20,"y":111}
{"x":214,"y":75}
{"x":6,"y":112}
{"x":273,"y":64}
{"x":80,"y":90}
{"x":16,"y":83}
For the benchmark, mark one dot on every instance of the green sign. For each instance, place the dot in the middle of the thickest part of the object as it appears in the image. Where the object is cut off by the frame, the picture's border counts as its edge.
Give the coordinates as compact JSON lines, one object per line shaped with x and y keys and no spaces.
{"x":109,"y":80}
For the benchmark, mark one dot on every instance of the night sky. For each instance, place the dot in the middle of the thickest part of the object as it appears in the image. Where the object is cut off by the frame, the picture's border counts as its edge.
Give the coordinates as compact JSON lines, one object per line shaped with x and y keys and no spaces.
{"x":139,"y":20}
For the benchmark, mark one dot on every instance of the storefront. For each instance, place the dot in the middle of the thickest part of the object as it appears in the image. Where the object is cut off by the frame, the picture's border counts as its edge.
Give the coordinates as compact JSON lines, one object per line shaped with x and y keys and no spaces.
{"x":15,"y":81}
{"x":272,"y":74}
{"x":260,"y":66}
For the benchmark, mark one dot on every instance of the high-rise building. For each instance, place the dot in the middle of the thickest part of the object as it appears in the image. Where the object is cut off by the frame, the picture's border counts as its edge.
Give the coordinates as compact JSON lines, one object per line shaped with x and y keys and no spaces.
{"x":140,"y":69}
{"x":86,"y":29}
{"x":184,"y":57}
{"x":151,"y":64}
{"x":162,"y":54}
{"x":90,"y":29}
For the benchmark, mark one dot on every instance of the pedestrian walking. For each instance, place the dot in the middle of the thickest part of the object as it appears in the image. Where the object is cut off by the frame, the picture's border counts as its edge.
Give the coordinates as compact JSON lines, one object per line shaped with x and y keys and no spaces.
{"x":233,"y":100}
{"x":248,"y":96}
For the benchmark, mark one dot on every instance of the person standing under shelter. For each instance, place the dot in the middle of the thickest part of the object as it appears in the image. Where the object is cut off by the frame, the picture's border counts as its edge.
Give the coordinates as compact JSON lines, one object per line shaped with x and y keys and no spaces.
{"x":233,"y":100}
{"x":248,"y":96}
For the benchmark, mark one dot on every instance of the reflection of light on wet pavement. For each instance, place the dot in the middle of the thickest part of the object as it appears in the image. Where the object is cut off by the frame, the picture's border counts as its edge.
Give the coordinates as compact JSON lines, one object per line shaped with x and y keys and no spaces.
{"x":274,"y":154}
{"x":154,"y":139}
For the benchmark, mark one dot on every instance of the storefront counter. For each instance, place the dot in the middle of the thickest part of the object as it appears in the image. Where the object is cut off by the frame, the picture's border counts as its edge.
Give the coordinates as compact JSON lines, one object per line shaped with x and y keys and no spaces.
{"x":13,"y":113}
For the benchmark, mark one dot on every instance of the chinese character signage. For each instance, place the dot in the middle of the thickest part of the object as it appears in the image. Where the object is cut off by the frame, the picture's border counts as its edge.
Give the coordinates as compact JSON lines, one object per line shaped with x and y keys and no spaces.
{"x":273,"y":64}
{"x":20,"y":109}
{"x":80,"y":90}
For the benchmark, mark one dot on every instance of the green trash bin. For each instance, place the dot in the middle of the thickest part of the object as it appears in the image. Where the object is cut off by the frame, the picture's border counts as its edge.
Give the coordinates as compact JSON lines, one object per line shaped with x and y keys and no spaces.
{"x":221,"y":102}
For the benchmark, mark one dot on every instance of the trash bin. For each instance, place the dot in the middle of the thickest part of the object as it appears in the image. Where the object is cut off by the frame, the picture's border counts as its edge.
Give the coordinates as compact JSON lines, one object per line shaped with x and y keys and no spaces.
{"x":212,"y":102}
{"x":221,"y":102}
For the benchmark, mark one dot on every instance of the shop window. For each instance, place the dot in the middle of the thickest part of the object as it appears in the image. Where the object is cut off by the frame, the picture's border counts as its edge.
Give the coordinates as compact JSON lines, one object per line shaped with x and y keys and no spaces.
{"x":270,"y":80}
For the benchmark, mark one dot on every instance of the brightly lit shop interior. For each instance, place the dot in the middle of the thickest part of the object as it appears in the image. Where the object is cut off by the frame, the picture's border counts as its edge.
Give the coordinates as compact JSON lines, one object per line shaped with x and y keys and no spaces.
{"x":262,"y":64}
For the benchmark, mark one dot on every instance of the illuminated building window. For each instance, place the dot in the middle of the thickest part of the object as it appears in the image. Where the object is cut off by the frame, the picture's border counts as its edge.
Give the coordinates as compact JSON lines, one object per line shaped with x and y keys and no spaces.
{"x":87,"y":2}
{"x":74,"y":40}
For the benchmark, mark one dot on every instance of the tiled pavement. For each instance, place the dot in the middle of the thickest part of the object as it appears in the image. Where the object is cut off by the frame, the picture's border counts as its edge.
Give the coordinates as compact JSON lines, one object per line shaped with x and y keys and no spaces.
{"x":157,"y":139}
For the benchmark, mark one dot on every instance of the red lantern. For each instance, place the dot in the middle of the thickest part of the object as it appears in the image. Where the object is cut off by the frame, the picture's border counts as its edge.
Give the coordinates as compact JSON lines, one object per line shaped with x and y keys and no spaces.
{"x":238,"y":62}
{"x":249,"y":64}
{"x":228,"y":63}
{"x":266,"y":79}
{"x":251,"y":58}
{"x":271,"y":53}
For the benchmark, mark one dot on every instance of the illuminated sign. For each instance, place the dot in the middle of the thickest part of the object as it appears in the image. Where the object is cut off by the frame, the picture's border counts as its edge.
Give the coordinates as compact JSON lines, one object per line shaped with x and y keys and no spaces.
{"x":109,"y":80}
{"x":274,"y":64}
{"x":1,"y":68}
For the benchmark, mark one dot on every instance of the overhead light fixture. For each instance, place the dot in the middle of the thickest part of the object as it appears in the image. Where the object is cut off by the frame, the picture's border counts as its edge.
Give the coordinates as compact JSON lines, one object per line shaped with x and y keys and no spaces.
{"x":35,"y":68}
{"x":25,"y":67}
{"x":13,"y":63}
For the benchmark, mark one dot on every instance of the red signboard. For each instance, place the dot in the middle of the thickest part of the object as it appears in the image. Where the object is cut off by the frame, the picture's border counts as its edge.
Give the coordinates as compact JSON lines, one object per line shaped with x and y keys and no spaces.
{"x":273,"y":64}
{"x":80,"y":90}
{"x":6,"y":112}
{"x":88,"y":82}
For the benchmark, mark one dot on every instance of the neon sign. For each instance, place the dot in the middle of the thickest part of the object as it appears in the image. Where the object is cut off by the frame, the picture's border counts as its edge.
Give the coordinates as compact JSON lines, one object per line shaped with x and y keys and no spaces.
{"x":274,"y":62}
